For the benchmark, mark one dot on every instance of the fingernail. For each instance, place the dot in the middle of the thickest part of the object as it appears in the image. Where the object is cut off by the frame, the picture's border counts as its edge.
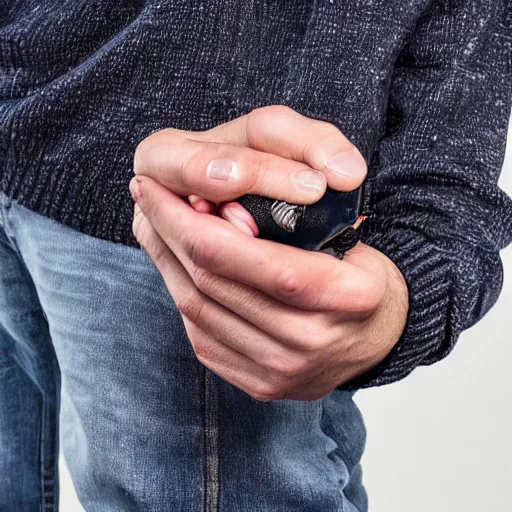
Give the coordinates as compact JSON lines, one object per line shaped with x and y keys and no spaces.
{"x":348,"y":163}
{"x":193,"y":199}
{"x":135,"y":189}
{"x":237,"y":221}
{"x":311,"y":181}
{"x":220,"y":169}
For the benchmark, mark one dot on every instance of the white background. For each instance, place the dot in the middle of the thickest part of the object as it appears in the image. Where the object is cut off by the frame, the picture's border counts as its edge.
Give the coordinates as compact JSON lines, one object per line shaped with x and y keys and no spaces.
{"x":440,"y":440}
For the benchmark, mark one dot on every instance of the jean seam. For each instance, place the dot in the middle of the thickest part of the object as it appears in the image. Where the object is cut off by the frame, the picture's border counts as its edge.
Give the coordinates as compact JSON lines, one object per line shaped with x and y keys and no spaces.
{"x":48,"y":477}
{"x":48,"y":500}
{"x":211,"y":443}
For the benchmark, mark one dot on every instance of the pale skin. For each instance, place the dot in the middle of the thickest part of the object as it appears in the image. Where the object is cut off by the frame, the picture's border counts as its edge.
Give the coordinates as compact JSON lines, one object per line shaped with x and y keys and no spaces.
{"x":273,"y":320}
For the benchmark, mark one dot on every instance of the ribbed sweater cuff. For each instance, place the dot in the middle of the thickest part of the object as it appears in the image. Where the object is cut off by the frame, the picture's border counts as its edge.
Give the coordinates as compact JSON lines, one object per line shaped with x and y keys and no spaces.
{"x":425,"y":339}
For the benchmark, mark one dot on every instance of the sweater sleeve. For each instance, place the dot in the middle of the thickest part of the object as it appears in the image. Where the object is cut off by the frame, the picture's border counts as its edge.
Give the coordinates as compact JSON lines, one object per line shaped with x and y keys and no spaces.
{"x":439,"y":214}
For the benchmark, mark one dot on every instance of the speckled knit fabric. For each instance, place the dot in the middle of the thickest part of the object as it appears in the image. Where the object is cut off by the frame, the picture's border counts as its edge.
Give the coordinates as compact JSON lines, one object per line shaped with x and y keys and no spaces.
{"x":423,"y":88}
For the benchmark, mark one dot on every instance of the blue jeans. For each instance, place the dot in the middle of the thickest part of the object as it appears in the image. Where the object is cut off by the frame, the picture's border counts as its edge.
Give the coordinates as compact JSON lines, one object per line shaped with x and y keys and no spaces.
{"x":89,"y":333}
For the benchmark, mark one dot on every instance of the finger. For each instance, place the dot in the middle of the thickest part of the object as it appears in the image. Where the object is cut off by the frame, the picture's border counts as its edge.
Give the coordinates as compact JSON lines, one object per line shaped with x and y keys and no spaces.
{"x":242,"y":336}
{"x":223,"y":172}
{"x":282,"y":131}
{"x":287,"y":375}
{"x":176,"y":278}
{"x":212,"y":317}
{"x":201,"y":205}
{"x":297,"y":329}
{"x":234,"y":307}
{"x":239,"y":217}
{"x":304,"y":279}
{"x":231,"y":366}
{"x":244,"y":354}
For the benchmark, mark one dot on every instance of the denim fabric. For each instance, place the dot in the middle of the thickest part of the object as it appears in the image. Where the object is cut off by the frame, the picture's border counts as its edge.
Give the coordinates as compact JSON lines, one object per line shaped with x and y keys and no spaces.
{"x":144,"y":425}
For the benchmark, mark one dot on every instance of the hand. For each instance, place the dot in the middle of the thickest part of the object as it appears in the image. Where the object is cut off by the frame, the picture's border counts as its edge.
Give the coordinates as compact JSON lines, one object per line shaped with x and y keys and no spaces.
{"x":275,"y":321}
{"x":272,"y":151}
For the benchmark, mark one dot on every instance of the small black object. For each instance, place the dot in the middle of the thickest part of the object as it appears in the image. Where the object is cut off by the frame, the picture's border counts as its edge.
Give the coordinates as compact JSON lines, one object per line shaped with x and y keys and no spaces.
{"x":329,"y":225}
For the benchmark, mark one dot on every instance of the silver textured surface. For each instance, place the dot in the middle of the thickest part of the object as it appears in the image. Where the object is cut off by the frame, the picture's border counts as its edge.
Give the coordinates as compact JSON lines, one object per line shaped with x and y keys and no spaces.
{"x":285,"y":215}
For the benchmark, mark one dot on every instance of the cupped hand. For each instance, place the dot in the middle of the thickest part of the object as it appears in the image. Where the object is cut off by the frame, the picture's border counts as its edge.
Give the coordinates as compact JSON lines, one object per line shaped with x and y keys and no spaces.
{"x":273,"y":320}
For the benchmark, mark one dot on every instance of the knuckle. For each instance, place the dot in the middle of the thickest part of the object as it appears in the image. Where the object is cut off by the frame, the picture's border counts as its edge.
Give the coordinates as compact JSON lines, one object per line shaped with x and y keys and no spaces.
{"x":289,"y":368}
{"x":202,"y":251}
{"x":287,"y":282}
{"x":256,"y":174}
{"x":203,"y":350}
{"x":147,"y":147}
{"x":190,"y":169}
{"x":265,"y":392}
{"x":158,"y":253}
{"x":294,"y":337}
{"x":270,"y":113}
{"x":368,"y":295}
{"x":191,"y":306}
{"x":290,"y":284}
{"x":309,"y":335}
{"x":203,"y":279}
{"x":308,"y":340}
{"x":299,"y":342}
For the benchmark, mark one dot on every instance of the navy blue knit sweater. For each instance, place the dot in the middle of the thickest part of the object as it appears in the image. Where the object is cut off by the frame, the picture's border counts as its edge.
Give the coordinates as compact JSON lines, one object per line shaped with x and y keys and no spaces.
{"x":422,"y":87}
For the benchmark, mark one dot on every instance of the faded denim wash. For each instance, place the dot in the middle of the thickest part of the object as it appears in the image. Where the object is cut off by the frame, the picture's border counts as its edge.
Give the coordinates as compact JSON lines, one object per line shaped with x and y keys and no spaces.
{"x":144,"y":426}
